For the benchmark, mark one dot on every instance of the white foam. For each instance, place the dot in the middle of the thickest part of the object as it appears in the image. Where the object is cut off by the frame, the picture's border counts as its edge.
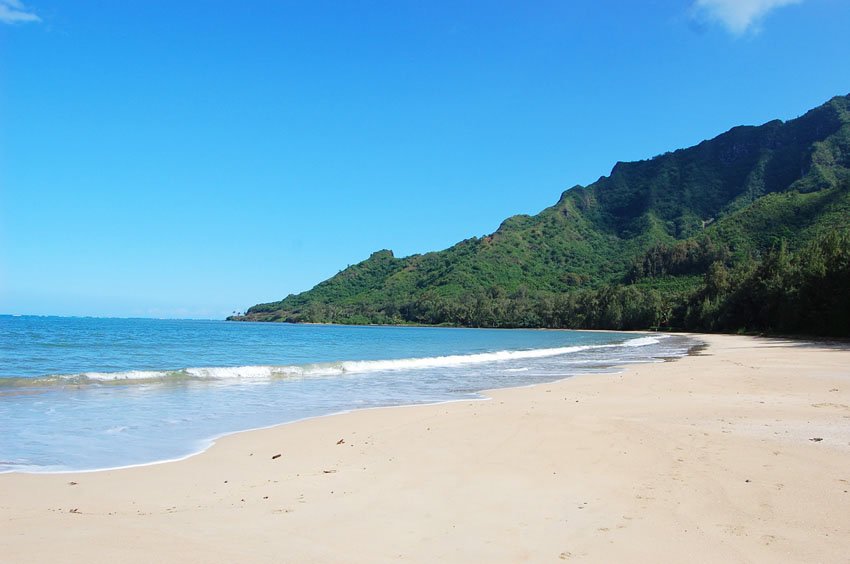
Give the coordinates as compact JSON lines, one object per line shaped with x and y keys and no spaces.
{"x":265,"y":372}
{"x":452,"y":360}
{"x":227,"y":372}
{"x":128,"y":375}
{"x":642,"y":342}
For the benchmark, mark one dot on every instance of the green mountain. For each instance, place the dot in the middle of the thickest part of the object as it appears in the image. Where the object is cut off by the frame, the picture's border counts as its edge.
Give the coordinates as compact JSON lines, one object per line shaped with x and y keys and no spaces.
{"x":644,"y":238}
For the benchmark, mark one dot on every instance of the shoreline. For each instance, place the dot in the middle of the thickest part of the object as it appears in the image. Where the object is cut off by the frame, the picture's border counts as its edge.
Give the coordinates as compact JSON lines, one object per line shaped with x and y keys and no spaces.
{"x":206,"y":443}
{"x":214,"y":440}
{"x":595,"y":466}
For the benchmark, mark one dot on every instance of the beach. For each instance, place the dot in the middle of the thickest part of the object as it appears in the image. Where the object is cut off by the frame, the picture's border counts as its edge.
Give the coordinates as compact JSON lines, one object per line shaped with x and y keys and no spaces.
{"x":739,"y":452}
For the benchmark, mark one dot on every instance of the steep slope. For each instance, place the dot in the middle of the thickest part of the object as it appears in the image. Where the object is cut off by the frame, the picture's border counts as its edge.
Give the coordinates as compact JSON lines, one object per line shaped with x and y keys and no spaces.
{"x":738,"y":194}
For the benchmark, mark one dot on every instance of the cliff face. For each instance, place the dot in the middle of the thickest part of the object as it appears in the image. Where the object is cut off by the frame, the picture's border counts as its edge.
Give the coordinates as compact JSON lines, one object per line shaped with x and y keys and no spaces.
{"x":745,"y":190}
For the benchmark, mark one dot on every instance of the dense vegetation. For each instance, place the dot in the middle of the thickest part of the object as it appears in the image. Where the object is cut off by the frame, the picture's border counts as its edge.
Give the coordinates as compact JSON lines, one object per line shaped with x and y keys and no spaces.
{"x":747,"y":231}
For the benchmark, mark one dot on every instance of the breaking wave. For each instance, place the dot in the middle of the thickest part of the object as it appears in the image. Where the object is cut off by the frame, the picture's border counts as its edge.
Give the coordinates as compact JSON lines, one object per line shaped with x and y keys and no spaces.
{"x":224,"y":373}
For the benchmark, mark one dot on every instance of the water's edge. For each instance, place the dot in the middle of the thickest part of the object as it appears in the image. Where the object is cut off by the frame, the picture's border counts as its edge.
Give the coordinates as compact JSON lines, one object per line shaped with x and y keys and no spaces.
{"x":696,"y":348}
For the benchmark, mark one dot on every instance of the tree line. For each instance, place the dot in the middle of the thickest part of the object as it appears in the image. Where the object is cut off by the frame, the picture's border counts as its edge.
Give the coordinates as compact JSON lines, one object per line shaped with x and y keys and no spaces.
{"x":807,"y":291}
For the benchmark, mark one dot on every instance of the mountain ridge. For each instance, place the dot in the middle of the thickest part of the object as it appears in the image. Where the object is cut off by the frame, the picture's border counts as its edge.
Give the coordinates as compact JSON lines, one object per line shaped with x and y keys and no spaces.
{"x":743,"y":191}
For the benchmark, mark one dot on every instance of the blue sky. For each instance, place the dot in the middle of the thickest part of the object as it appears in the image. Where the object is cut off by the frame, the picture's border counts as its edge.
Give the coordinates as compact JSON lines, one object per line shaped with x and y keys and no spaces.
{"x":187,"y":159}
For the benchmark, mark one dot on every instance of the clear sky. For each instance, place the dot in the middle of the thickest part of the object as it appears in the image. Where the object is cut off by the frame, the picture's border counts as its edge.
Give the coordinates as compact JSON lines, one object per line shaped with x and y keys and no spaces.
{"x":188,"y":159}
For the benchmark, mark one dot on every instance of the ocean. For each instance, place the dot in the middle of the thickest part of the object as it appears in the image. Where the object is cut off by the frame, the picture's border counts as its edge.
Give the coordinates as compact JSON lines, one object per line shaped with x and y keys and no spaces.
{"x":92,"y":393}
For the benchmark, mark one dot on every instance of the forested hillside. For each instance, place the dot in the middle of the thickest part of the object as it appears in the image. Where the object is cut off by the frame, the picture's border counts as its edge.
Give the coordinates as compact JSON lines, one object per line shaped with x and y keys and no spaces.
{"x":746,"y":231}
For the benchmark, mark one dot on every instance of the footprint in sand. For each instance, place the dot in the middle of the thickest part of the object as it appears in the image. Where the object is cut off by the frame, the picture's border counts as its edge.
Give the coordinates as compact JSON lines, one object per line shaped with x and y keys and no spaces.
{"x":833,"y":405}
{"x":768,"y":539}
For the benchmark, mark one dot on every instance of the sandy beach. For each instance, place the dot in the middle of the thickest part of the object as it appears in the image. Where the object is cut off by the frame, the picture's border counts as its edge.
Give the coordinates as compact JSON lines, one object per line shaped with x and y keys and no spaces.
{"x":740,"y":453}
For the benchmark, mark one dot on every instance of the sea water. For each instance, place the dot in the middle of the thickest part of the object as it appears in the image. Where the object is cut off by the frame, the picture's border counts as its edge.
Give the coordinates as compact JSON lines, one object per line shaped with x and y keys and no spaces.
{"x":90,"y":393}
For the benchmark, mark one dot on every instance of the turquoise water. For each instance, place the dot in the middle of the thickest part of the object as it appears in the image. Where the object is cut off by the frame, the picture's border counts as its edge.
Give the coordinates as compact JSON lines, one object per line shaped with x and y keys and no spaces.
{"x":88,"y":393}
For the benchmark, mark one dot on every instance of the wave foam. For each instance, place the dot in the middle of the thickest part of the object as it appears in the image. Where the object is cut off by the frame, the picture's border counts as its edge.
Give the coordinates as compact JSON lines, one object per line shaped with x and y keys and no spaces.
{"x":454,"y":360}
{"x":135,"y":375}
{"x":264,"y":372}
{"x":642,"y":342}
